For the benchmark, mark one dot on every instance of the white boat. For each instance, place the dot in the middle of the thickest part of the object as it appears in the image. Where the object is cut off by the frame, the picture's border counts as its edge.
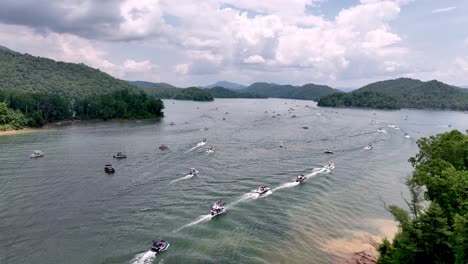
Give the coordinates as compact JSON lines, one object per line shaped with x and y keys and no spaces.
{"x":330,"y":166}
{"x":218,"y":208}
{"x":407,"y":136}
{"x":120,"y":155}
{"x":37,"y":154}
{"x":369,"y":147}
{"x":193,"y":172}
{"x":262,"y":190}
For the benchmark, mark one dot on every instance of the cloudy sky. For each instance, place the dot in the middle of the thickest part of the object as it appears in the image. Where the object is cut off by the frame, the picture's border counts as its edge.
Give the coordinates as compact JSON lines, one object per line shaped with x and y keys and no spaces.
{"x":343,"y":43}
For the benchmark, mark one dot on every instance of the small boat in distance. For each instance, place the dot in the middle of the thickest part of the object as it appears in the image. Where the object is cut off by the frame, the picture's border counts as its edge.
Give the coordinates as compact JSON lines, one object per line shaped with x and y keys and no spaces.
{"x":120,"y":155}
{"x":159,"y":246}
{"x":163,"y":147}
{"x":301,"y":178}
{"x":369,"y":147}
{"x":37,"y":154}
{"x":109,"y":169}
{"x":328,"y":151}
{"x":262,"y":189}
{"x":218,"y":208}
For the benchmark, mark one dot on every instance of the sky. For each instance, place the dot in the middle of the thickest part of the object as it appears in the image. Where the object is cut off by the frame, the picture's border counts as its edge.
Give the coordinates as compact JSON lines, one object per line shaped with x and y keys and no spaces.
{"x":341,"y":43}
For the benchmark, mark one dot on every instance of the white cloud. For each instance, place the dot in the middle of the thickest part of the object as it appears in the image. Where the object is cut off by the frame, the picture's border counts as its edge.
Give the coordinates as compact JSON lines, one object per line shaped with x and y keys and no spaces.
{"x":443,"y":10}
{"x":255,"y":59}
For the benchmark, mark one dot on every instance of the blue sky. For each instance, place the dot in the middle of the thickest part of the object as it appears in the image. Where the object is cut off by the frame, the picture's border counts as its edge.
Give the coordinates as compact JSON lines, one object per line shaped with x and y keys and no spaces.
{"x":344,"y":43}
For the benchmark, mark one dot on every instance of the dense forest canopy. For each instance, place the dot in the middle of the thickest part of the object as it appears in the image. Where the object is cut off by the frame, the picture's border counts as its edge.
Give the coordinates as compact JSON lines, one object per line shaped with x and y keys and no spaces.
{"x":167,"y":91}
{"x":40,"y":109}
{"x":23,"y":72}
{"x":402,"y":93}
{"x":35,"y":91}
{"x":221,"y":92}
{"x":305,"y":92}
{"x":434,"y":229}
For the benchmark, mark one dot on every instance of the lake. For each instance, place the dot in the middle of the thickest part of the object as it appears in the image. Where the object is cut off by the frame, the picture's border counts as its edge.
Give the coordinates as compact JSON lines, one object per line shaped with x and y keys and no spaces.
{"x":63,"y":208}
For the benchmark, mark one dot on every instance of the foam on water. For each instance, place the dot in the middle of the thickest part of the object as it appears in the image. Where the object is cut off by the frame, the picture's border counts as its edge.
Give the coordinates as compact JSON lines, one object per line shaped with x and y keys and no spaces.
{"x":200,"y":219}
{"x":199,"y":144}
{"x":144,"y":258}
{"x":188,"y":176}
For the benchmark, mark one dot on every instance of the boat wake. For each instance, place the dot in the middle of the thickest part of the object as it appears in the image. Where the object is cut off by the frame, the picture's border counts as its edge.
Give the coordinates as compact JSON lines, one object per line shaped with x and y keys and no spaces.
{"x":144,"y":258}
{"x":183,"y":178}
{"x":285,"y":185}
{"x":199,"y":144}
{"x":200,"y":219}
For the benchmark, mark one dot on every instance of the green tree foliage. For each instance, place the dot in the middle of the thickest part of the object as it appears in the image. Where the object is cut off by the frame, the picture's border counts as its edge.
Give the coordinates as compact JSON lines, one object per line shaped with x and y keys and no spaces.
{"x":221,"y":92}
{"x":11,"y":119}
{"x":305,"y":92}
{"x":439,"y":233}
{"x":402,"y":93}
{"x":23,"y":72}
{"x":119,"y":104}
{"x":167,"y":91}
{"x":39,"y":109}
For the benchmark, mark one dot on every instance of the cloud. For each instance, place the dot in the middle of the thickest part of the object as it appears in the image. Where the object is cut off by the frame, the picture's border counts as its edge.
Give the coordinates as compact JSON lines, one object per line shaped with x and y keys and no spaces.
{"x":443,"y":10}
{"x":255,"y":59}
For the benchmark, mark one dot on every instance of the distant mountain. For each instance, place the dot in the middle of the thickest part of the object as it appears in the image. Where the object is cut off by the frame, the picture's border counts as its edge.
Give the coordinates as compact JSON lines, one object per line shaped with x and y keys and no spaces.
{"x":228,"y":85}
{"x":402,"y":93}
{"x":221,"y":92}
{"x":346,"y":89}
{"x":26,"y":73}
{"x":167,"y":91}
{"x":305,"y":92}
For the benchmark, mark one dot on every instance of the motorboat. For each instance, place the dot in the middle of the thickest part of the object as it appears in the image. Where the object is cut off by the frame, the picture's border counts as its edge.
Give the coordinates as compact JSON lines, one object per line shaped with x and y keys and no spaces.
{"x":37,"y":154}
{"x":393,"y":126}
{"x":407,"y":136}
{"x":328,"y":151}
{"x":262,"y":189}
{"x":210,"y":150}
{"x":109,"y":169}
{"x":301,"y":178}
{"x":172,"y":124}
{"x":120,"y":155}
{"x":159,"y":246}
{"x":368,"y":147}
{"x":163,"y":147}
{"x":218,"y":208}
{"x":193,"y":172}
{"x":330,"y":166}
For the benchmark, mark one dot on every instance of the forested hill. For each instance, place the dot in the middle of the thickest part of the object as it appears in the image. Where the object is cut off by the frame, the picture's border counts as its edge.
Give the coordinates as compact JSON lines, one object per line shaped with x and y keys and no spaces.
{"x":167,"y":91}
{"x":305,"y":92}
{"x":402,"y":93}
{"x":30,"y":74}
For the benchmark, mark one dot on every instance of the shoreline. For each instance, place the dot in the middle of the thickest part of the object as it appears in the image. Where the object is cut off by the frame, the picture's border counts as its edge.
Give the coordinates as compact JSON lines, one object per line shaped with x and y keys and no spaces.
{"x":19,"y":131}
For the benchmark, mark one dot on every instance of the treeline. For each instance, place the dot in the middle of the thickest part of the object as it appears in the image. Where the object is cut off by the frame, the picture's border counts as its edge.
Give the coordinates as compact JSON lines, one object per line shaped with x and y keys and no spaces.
{"x":221,"y":92}
{"x":434,"y":229}
{"x":402,"y":93}
{"x":35,"y":109}
{"x":363,"y":100}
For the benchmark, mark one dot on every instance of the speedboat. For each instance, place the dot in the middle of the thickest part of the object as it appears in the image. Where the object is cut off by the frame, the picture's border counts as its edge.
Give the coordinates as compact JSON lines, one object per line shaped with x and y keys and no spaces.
{"x":120,"y":155}
{"x":328,"y":151}
{"x":109,"y":169}
{"x":163,"y":147}
{"x":368,"y":147}
{"x":218,"y":208}
{"x":407,"y":136}
{"x":37,"y":154}
{"x":301,"y":178}
{"x":159,"y":246}
{"x":210,"y":150}
{"x":330,"y":166}
{"x":262,"y":189}
{"x":193,"y":172}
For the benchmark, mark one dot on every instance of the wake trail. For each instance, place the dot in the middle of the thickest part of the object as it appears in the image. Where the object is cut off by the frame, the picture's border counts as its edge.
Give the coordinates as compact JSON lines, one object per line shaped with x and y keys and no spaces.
{"x":199,"y":144}
{"x":144,"y":258}
{"x":200,"y":219}
{"x":183,"y":178}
